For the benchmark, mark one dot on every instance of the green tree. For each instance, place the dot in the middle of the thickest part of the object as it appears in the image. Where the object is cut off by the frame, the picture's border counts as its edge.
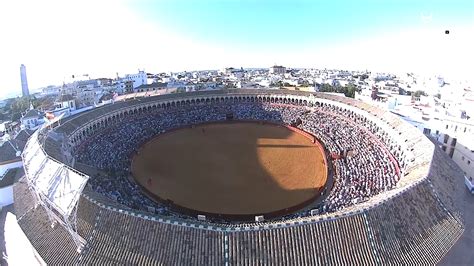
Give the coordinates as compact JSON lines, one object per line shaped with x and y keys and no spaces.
{"x":349,"y":91}
{"x":20,"y":105}
{"x":305,"y":83}
{"x":326,"y":88}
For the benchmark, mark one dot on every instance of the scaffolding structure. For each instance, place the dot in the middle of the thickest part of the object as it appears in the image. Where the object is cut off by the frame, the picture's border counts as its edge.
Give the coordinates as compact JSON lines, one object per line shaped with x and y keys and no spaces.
{"x":54,"y":185}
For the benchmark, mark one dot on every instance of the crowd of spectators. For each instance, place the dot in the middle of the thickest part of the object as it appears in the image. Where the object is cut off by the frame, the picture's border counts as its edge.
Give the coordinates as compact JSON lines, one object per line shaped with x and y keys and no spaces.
{"x":363,"y":167}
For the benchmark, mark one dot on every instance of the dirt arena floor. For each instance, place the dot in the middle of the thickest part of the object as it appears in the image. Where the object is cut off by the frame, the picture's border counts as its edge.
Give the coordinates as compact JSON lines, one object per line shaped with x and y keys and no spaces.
{"x":231,"y":168}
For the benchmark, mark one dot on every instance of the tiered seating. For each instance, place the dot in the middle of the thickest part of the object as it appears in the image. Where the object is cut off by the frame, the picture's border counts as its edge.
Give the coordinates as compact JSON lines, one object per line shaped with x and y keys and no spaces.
{"x":132,"y":240}
{"x":334,"y":242}
{"x":22,"y":198}
{"x":445,"y":177}
{"x":87,"y":214}
{"x":53,"y":149}
{"x":368,"y":172}
{"x":54,"y":245}
{"x":413,"y":228}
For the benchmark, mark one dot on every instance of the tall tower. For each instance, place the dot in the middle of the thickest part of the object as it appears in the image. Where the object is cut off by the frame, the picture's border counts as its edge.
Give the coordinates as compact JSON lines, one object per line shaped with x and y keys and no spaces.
{"x":24,"y":81}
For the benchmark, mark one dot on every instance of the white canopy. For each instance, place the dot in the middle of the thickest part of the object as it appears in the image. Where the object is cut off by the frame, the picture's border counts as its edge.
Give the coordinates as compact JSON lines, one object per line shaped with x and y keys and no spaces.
{"x":34,"y":165}
{"x":46,"y":175}
{"x":55,"y":182}
{"x":65,"y":190}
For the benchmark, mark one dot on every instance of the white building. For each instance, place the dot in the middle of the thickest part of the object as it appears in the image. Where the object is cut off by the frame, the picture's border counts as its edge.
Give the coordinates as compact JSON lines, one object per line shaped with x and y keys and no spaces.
{"x":137,"y":79}
{"x":124,"y":86}
{"x":277,"y":70}
{"x":11,"y":163}
{"x":86,"y":97}
{"x":66,"y":104}
{"x":455,"y":136}
{"x":446,"y":119}
{"x":50,"y":90}
{"x":32,"y":119}
{"x":235,"y":73}
{"x":151,"y":87}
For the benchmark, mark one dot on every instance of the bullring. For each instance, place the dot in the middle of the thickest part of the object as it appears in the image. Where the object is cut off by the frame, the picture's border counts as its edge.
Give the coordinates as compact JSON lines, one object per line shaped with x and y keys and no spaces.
{"x":388,"y":204}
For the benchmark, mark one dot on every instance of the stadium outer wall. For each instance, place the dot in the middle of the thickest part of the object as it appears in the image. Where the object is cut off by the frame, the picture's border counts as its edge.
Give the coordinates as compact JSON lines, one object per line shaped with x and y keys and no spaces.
{"x":415,"y":223}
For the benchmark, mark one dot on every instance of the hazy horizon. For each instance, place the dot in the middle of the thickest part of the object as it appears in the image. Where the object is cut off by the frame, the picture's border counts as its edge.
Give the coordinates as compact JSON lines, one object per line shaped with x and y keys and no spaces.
{"x":55,"y":39}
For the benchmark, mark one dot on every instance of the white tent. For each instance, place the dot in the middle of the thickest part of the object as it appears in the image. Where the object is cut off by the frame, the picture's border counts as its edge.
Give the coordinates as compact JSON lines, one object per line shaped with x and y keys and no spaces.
{"x":56,"y":186}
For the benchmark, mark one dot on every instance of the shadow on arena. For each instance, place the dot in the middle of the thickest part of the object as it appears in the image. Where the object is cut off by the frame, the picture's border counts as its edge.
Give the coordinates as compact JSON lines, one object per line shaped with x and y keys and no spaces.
{"x":237,"y":189}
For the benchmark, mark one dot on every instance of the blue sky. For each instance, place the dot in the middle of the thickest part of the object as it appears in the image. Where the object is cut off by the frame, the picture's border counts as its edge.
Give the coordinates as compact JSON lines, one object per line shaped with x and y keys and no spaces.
{"x":287,"y":23}
{"x":56,"y":39}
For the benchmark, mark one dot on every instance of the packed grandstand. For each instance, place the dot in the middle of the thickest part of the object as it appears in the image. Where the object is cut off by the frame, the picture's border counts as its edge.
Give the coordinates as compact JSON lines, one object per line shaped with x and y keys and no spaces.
{"x":387,"y":201}
{"x":357,"y":177}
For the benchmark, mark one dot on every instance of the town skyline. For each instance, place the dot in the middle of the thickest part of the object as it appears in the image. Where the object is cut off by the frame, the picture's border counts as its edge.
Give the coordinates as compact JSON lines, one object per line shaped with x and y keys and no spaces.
{"x":74,"y":39}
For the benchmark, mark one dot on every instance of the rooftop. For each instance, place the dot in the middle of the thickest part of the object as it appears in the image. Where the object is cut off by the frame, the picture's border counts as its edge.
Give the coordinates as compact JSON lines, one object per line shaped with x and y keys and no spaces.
{"x":32,"y":114}
{"x":65,"y":98}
